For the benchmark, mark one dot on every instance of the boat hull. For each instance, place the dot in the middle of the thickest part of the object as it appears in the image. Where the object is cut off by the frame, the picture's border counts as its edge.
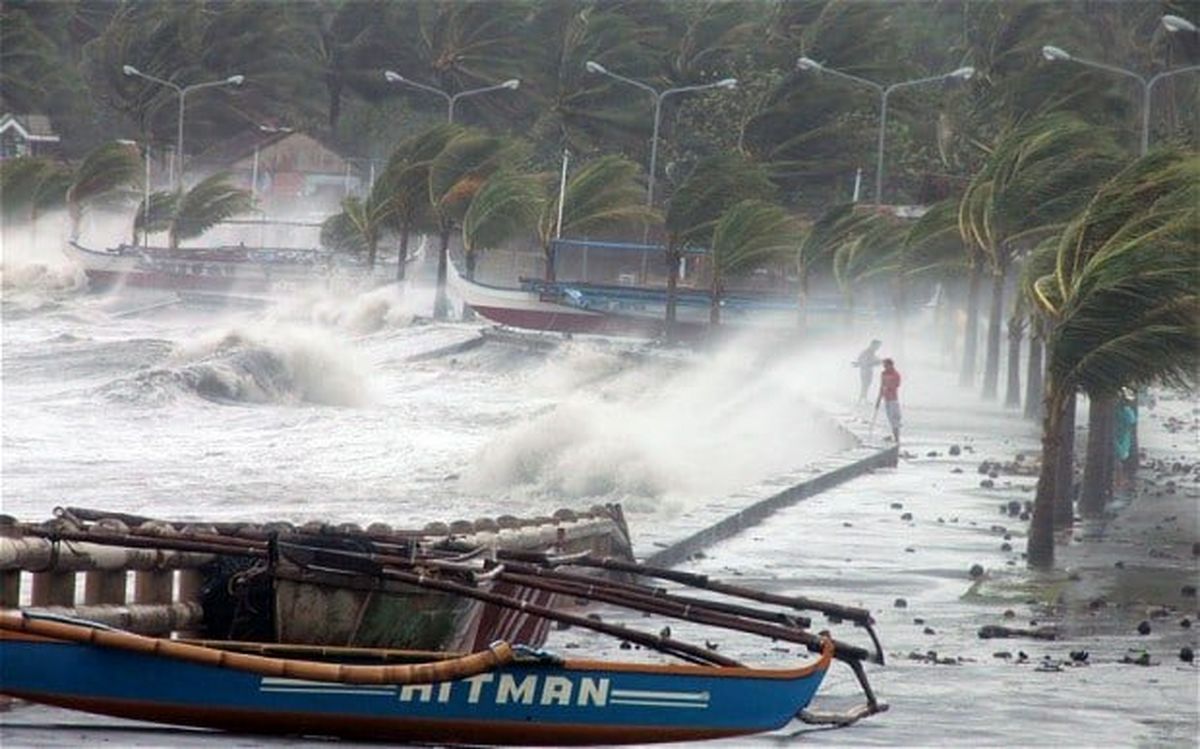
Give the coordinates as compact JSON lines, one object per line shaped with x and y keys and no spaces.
{"x":175,"y":270}
{"x":524,"y":702}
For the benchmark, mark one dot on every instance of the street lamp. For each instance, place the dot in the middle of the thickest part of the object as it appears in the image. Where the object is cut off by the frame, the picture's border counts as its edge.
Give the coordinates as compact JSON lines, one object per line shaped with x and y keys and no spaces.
{"x":1172,"y":24}
{"x":809,"y":64}
{"x":393,"y":77}
{"x":233,"y":80}
{"x":594,"y":67}
{"x":1175,"y":23}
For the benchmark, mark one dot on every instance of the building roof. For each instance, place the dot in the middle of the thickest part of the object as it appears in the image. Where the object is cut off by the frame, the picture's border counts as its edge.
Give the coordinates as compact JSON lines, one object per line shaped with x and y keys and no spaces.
{"x":30,"y":126}
{"x":231,"y":150}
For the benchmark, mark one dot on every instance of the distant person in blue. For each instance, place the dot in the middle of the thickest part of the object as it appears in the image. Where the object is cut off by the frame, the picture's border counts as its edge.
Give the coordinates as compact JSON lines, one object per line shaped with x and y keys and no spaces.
{"x":1123,"y":437}
{"x":866,"y":363}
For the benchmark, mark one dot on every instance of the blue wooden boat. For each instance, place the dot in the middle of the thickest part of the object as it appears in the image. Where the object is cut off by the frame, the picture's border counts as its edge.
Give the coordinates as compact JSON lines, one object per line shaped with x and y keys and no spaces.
{"x":504,"y":695}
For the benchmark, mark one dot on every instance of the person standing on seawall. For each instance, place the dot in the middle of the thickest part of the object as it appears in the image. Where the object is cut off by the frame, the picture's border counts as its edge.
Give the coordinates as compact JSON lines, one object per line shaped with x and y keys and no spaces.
{"x":889,"y":386}
{"x":866,"y":363}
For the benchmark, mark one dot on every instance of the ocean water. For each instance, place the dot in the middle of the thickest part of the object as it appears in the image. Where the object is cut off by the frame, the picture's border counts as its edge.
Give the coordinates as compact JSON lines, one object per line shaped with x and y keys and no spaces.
{"x":315,"y":407}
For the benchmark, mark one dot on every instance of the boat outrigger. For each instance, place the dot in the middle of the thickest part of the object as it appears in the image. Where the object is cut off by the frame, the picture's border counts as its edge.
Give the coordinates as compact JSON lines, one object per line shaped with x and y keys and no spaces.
{"x":499,"y":694}
{"x":215,"y":269}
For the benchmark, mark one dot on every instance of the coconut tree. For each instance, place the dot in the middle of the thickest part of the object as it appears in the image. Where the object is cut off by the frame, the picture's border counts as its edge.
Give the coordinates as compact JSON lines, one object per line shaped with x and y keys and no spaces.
{"x":933,"y":255}
{"x":1122,"y":304}
{"x":360,"y":225}
{"x":31,"y":186}
{"x":715,"y":185}
{"x":748,"y":235}
{"x":603,"y":194}
{"x":189,"y":214}
{"x":404,"y":184}
{"x":455,"y":175}
{"x":507,"y":206}
{"x":1037,"y":263}
{"x":339,"y":233}
{"x":1037,"y":177}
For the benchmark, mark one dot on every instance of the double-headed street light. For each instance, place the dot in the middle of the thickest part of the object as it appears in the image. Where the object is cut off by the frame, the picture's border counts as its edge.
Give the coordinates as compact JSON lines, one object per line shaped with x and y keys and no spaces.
{"x":1171,"y":23}
{"x":594,"y":67}
{"x":393,"y":77}
{"x":962,"y":74}
{"x":183,"y":91}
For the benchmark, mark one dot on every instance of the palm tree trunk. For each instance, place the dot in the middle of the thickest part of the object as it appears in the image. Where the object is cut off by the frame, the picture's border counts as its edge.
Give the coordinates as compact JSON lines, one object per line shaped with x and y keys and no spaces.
{"x":970,"y":335}
{"x":802,"y":300}
{"x":471,"y":260}
{"x":1016,"y":333}
{"x":402,"y":258}
{"x":945,"y":315}
{"x":991,"y":368}
{"x":441,"y":303}
{"x":372,"y":251}
{"x":672,"y":283}
{"x":1098,"y":470}
{"x":714,"y":306}
{"x":551,"y":271}
{"x":1064,"y":510}
{"x":1034,"y":373}
{"x":75,"y":213}
{"x":1039,"y":548}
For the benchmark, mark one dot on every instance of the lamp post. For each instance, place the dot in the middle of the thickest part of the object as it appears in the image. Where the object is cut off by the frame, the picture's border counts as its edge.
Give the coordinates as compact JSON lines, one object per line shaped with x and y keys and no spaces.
{"x":594,"y":67}
{"x":183,"y":91}
{"x":393,"y":77}
{"x":1173,"y":24}
{"x":963,"y":74}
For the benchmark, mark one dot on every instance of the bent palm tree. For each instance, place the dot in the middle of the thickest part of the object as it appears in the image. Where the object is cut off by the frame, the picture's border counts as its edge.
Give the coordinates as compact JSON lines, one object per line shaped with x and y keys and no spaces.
{"x":30,"y":186}
{"x":404,"y":184}
{"x":190,"y":214}
{"x":716,"y":184}
{"x":455,"y":175}
{"x":506,"y":206}
{"x":111,"y":168}
{"x":748,"y":235}
{"x":603,"y":194}
{"x":1037,"y":177}
{"x":1122,"y":301}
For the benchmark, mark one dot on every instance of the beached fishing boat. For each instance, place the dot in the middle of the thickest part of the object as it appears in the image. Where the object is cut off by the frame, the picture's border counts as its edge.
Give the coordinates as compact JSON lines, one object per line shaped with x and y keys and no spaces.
{"x":621,"y":302}
{"x":226,"y":269}
{"x":501,"y":694}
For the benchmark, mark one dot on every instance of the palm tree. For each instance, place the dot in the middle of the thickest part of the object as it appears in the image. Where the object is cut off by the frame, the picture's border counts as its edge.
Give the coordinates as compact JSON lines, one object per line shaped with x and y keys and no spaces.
{"x":359,"y":226}
{"x":404,"y":184}
{"x":602,"y":195}
{"x":1038,"y":175}
{"x":1122,"y":301}
{"x":112,"y":168}
{"x":933,"y":254}
{"x":715,"y":185}
{"x":508,"y":205}
{"x":748,"y":235}
{"x":37,"y":185}
{"x":190,"y":214}
{"x":30,"y":186}
{"x":455,"y":175}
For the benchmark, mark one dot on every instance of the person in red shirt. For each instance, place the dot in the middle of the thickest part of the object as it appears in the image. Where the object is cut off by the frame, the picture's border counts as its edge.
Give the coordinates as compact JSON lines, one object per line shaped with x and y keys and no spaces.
{"x":889,"y":384}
